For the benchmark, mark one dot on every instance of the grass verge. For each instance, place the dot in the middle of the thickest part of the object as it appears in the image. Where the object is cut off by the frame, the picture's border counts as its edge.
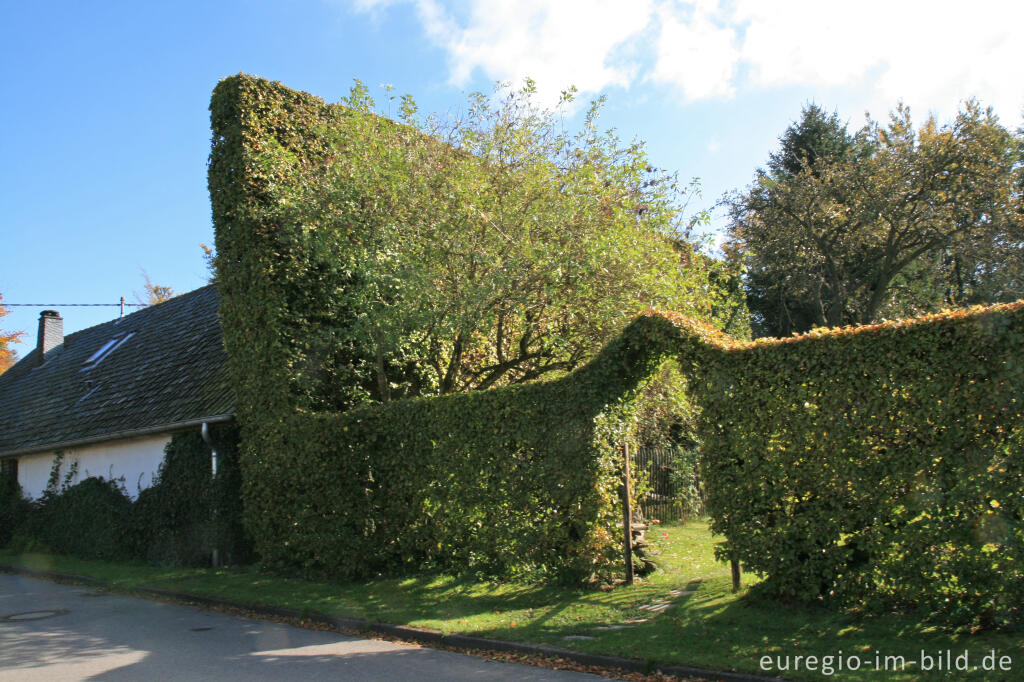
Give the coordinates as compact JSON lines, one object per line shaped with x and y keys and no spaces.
{"x":684,"y":614}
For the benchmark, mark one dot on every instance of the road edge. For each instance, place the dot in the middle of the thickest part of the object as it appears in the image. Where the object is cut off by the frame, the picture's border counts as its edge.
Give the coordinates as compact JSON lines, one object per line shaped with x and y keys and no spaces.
{"x":424,"y":636}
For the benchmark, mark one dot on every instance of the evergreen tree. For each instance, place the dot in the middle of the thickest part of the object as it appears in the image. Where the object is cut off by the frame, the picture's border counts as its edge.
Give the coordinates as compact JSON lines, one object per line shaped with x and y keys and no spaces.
{"x":816,"y":135}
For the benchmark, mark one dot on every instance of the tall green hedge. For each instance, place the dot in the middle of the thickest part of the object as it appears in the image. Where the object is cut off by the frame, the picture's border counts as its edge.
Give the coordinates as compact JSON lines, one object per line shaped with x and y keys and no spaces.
{"x":879,"y":466}
{"x":507,"y":480}
{"x":516,"y":479}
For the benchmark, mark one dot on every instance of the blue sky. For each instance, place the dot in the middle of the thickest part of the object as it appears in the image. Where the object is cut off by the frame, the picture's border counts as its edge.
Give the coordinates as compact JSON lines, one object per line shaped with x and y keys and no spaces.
{"x":105,"y":125}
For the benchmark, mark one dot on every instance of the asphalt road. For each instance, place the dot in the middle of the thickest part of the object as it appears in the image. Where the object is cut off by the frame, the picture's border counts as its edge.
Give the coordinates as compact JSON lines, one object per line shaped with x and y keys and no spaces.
{"x":65,"y":632}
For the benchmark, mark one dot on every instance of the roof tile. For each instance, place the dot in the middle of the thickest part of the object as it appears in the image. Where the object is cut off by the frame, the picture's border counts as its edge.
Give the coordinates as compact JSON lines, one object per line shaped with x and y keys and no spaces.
{"x":173,"y":369}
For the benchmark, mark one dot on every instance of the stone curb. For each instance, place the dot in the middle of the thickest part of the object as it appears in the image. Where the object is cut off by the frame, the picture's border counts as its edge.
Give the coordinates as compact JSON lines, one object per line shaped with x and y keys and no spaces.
{"x":413,"y":634}
{"x":53,"y":575}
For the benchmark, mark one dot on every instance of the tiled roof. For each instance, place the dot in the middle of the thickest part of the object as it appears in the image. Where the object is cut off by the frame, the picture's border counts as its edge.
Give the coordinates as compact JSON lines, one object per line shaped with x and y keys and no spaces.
{"x":171,"y":370}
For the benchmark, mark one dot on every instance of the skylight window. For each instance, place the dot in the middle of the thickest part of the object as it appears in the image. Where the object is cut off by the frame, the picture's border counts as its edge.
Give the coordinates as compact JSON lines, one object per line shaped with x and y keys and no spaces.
{"x":98,"y":355}
{"x":106,"y":349}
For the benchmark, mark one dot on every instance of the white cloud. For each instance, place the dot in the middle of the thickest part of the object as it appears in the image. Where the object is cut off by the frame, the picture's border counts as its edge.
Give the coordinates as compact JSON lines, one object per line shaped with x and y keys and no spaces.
{"x":931,"y":53}
{"x":695,"y":52}
{"x":809,"y":43}
{"x":558,"y":44}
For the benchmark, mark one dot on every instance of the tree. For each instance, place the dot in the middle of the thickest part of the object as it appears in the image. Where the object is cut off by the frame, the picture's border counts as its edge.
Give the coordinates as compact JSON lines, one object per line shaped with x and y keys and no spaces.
{"x":154,"y":292}
{"x":778,"y":303}
{"x":902,"y":222}
{"x":816,"y":136}
{"x":208,"y":258}
{"x":7,"y":356}
{"x":486,"y":250}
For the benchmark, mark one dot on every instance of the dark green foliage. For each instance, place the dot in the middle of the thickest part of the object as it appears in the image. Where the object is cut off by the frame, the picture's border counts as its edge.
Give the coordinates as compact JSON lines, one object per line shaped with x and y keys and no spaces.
{"x":816,"y":135}
{"x":179,"y":520}
{"x":891,"y":223}
{"x":91,"y":520}
{"x":13,"y":508}
{"x":777,"y":306}
{"x":186,"y":513}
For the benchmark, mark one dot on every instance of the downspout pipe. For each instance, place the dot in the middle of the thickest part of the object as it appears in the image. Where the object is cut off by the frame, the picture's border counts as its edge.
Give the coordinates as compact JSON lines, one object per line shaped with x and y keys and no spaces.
{"x":208,"y":439}
{"x":204,"y":430}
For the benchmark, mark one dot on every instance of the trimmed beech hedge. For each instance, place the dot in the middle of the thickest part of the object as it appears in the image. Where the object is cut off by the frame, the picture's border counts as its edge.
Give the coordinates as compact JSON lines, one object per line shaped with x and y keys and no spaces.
{"x":505,"y":481}
{"x":880,"y":466}
{"x":512,"y":480}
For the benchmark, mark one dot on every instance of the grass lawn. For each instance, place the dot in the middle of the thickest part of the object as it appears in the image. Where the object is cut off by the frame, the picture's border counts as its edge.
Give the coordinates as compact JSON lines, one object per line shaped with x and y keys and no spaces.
{"x":684,"y":614}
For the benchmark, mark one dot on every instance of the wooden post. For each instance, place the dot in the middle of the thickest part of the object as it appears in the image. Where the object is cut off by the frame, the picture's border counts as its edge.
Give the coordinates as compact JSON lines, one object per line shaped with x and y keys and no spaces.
{"x":627,"y":517}
{"x":735,"y":565}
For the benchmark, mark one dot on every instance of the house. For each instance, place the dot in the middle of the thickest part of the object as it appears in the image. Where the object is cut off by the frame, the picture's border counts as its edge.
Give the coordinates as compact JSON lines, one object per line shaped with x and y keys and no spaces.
{"x":110,"y":397}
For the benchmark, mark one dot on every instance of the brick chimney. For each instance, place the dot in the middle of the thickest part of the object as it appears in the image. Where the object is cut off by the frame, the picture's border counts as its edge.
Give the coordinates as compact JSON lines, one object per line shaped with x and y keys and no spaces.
{"x":51,"y":333}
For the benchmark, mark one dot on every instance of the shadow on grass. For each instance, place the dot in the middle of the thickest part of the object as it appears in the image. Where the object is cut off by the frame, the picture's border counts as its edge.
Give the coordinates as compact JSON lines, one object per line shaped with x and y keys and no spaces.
{"x":685,"y":614}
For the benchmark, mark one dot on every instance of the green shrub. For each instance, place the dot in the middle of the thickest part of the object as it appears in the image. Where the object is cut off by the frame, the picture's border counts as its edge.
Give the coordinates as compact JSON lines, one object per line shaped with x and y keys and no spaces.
{"x":90,"y":519}
{"x":185,"y":514}
{"x":14,"y":509}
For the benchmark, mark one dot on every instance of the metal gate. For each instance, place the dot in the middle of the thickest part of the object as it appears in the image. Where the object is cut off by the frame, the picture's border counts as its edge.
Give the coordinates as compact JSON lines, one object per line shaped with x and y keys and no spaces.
{"x":665,"y":500}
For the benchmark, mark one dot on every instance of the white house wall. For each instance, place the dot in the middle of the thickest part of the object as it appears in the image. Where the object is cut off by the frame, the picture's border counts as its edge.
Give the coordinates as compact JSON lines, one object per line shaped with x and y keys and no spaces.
{"x":134,"y":460}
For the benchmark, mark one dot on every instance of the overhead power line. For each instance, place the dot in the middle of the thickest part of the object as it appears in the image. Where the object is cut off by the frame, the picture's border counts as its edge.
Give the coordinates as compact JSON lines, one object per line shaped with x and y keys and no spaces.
{"x":122,"y":305}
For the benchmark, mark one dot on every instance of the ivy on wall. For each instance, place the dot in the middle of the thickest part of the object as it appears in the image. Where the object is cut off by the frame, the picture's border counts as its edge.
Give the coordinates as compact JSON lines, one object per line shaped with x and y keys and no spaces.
{"x":179,"y":520}
{"x":187,"y":513}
